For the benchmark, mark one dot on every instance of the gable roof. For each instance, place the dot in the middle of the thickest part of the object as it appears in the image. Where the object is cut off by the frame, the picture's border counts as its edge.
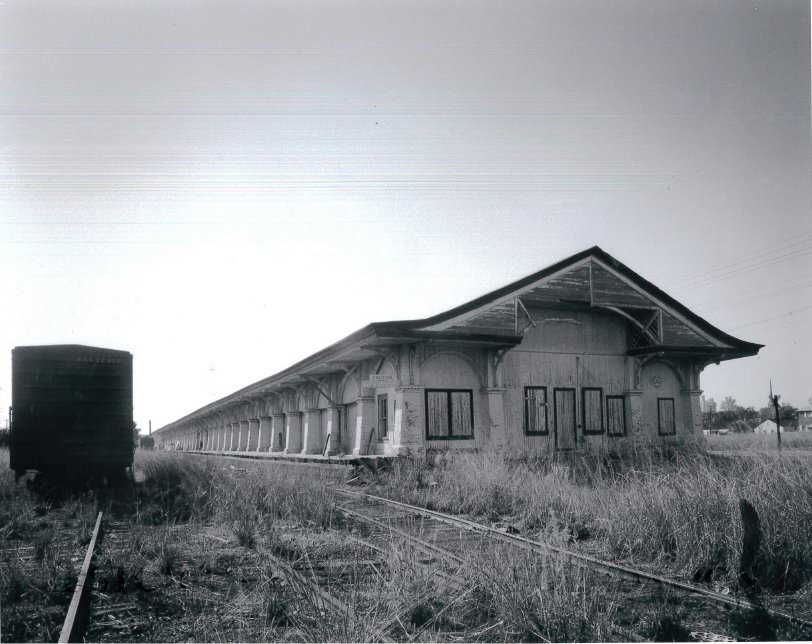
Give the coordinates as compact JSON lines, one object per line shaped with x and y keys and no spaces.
{"x":589,"y":279}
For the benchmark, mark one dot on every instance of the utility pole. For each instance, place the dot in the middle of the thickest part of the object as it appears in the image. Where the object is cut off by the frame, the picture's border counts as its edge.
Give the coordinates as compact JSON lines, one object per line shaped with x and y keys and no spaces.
{"x":774,"y":402}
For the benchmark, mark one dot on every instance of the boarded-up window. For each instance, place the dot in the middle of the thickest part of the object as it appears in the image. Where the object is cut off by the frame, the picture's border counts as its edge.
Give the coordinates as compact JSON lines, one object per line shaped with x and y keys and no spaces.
{"x":615,"y":416}
{"x":666,"y":423}
{"x":535,"y":411}
{"x":449,"y":413}
{"x":592,"y":410}
{"x":383,"y":416}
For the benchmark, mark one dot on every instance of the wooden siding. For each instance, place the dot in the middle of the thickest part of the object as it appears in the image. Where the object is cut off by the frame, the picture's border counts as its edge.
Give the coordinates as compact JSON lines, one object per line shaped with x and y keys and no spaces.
{"x":675,"y":333}
{"x":499,"y":320}
{"x":597,"y":360}
{"x":572,"y":286}
{"x":612,"y":291}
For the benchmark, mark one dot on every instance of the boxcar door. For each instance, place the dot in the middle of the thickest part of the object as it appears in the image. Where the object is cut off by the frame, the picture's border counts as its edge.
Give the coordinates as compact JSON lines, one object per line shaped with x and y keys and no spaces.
{"x":565,"y":425}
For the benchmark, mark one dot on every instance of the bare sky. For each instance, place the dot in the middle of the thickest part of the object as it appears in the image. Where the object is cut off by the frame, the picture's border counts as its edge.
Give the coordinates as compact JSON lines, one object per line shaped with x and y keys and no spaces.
{"x":223,"y":188}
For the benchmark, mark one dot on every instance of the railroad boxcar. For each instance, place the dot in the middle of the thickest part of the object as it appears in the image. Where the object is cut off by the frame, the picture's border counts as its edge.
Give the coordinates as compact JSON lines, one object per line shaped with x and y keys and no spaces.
{"x":71,"y":410}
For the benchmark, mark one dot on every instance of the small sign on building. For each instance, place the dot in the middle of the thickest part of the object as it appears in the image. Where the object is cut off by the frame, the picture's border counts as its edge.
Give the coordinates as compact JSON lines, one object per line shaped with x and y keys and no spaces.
{"x":380,"y":381}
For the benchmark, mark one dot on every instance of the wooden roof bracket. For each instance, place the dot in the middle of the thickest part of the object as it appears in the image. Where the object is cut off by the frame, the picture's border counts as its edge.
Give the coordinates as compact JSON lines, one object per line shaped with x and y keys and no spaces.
{"x":644,"y":328}
{"x":318,"y":386}
{"x":519,"y":303}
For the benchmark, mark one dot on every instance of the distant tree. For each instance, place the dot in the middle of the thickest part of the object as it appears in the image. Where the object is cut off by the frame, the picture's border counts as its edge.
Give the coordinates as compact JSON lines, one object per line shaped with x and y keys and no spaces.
{"x":728,"y":404}
{"x":709,"y":406}
{"x":736,"y":418}
{"x":5,"y":438}
{"x":787,"y":414}
{"x":136,"y":432}
{"x":748,"y":413}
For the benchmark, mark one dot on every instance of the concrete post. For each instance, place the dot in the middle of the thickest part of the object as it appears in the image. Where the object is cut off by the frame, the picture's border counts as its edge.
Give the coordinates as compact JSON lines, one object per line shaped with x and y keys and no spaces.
{"x":695,"y":415}
{"x":408,"y":428}
{"x":311,"y":432}
{"x":496,"y":415}
{"x":253,"y":434}
{"x":232,"y":437}
{"x":243,"y":436}
{"x":364,"y":425}
{"x":277,"y":432}
{"x":293,"y":432}
{"x":265,"y":434}
{"x":334,"y":442}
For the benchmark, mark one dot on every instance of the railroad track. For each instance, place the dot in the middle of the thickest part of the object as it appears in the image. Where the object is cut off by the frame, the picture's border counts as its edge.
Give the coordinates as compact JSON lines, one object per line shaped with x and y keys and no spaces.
{"x":39,"y":566}
{"x":448,"y":543}
{"x":447,"y":539}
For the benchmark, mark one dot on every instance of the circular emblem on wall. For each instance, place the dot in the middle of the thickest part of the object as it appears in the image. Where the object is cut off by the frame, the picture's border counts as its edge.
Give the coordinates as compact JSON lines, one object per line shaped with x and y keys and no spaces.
{"x":656,"y":381}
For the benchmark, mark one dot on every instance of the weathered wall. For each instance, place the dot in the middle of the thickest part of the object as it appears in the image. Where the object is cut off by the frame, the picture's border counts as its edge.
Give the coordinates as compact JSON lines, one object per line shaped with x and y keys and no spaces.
{"x":457,"y":370}
{"x":566,"y":349}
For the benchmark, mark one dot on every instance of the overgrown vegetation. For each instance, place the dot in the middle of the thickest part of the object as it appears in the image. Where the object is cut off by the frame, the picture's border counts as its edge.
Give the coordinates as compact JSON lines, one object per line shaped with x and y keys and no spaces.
{"x":38,"y":537}
{"x":199,"y":556}
{"x":680,"y":513}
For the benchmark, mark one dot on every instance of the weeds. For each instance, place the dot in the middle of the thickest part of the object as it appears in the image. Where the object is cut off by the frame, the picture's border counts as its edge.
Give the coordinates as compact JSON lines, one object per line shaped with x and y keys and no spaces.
{"x":676,"y":510}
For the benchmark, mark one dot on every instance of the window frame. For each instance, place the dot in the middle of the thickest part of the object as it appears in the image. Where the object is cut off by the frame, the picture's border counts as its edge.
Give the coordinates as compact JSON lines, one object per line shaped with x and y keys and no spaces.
{"x":546,"y":431}
{"x":622,"y":400}
{"x":383,"y":421}
{"x":449,"y":436}
{"x":673,"y":417}
{"x":584,"y":429}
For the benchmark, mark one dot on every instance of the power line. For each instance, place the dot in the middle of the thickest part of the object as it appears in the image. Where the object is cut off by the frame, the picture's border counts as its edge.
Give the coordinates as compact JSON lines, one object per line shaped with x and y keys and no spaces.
{"x":764,"y":263}
{"x":744,"y":262}
{"x":759,"y":294}
{"x":775,"y":317}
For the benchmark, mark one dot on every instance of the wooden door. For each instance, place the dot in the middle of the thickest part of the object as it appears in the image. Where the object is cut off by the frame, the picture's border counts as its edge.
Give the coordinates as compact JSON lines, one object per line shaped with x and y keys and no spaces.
{"x":348,"y":426}
{"x":565,"y":425}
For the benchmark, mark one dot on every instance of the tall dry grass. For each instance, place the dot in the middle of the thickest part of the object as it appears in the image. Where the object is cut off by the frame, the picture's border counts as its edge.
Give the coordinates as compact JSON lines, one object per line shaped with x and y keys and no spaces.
{"x":760,"y":442}
{"x":492,"y":596}
{"x":186,"y":488}
{"x":681,"y":513}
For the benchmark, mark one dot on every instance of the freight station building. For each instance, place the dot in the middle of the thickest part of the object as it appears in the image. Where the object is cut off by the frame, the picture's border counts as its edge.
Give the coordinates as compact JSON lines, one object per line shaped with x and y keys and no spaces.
{"x":583,"y":355}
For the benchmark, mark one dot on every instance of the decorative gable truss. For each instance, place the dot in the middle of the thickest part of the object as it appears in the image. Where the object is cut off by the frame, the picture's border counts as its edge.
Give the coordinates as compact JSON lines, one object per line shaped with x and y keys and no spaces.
{"x":595,"y":280}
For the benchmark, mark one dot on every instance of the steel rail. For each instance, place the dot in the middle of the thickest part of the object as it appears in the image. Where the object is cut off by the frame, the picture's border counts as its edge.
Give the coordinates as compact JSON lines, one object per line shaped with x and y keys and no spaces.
{"x":578,"y":558}
{"x":421,"y":544}
{"x":76,"y":619}
{"x":431,"y":549}
{"x":328,"y":600}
